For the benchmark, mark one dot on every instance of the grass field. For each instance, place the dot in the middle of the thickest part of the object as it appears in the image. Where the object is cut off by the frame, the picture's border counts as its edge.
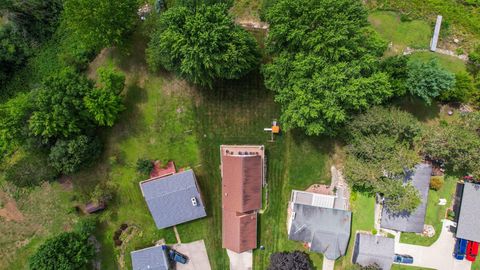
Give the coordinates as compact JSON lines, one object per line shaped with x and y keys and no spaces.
{"x":450,"y":63}
{"x":435,"y":213}
{"x":460,"y":19}
{"x":46,"y":210}
{"x":405,"y":267}
{"x":413,"y":34}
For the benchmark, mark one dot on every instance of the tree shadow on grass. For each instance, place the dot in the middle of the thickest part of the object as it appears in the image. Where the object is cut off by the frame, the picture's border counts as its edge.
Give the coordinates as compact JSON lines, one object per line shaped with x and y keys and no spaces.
{"x":418,"y":108}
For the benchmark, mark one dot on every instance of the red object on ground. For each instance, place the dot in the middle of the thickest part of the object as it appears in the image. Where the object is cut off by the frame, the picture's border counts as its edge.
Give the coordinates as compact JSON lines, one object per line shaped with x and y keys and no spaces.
{"x":159,"y":171}
{"x":472,"y":251}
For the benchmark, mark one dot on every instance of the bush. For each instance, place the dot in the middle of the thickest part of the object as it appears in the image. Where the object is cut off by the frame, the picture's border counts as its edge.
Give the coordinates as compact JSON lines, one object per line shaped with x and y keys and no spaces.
{"x":68,"y":156}
{"x":436,"y":182}
{"x":144,"y":166}
{"x":428,"y":80}
{"x":295,"y":260}
{"x":31,"y":170}
{"x":374,"y":231}
{"x":463,"y":90}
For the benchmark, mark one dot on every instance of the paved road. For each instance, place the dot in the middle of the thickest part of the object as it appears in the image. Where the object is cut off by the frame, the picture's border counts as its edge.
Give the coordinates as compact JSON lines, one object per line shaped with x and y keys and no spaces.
{"x":438,"y":255}
{"x":240,"y":261}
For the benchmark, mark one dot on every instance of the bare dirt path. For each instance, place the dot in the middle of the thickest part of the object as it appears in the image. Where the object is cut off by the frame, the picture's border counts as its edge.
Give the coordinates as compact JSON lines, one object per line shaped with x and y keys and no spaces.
{"x":10,"y":211}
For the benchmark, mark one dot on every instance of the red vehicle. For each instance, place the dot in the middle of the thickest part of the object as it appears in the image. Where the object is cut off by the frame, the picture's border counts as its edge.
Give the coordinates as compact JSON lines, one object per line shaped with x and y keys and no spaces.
{"x":472,"y":251}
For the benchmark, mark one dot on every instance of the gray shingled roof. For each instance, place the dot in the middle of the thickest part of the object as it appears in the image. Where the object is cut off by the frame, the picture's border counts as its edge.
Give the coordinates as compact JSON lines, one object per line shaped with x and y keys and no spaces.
{"x":152,"y":258}
{"x":374,"y":249}
{"x":411,"y":222}
{"x":169,"y":199}
{"x":328,"y":230}
{"x":468,"y":226}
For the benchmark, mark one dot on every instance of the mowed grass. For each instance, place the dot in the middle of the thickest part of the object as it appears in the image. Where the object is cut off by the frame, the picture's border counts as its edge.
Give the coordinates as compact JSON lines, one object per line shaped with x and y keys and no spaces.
{"x":406,"y":267}
{"x":435,"y":213}
{"x":363,"y":212}
{"x":414,"y":34}
{"x":450,"y":63}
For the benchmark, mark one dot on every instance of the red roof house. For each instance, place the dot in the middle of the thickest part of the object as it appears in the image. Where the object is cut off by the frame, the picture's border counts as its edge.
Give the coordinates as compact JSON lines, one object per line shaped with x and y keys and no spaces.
{"x":242,"y":180}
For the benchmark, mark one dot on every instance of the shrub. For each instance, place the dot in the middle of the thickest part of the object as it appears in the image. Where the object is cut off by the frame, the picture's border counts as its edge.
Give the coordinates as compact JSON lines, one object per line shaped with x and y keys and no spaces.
{"x":374,"y":231}
{"x":295,"y":260}
{"x":68,"y":156}
{"x":436,"y":182}
{"x":144,"y":166}
{"x":31,"y":170}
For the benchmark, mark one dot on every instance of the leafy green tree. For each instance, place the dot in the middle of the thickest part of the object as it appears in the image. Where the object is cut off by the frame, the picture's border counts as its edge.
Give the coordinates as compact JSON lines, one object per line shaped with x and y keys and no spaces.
{"x":325,"y":63}
{"x":68,"y":156}
{"x":381,"y":144}
{"x":396,"y":68}
{"x":101,"y":23}
{"x":428,"y":80}
{"x":30,"y":170}
{"x":193,"y":4}
{"x":104,"y":103}
{"x":463,"y":90}
{"x":13,"y":51}
{"x":202,"y":46}
{"x":458,"y":145}
{"x":59,"y":110}
{"x":13,"y":116}
{"x":37,"y":19}
{"x":399,"y":197}
{"x":66,"y":251}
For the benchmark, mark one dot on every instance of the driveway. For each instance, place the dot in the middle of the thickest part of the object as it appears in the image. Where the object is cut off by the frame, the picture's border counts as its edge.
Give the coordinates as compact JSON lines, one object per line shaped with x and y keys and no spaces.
{"x":240,"y":261}
{"x":328,"y":264}
{"x":197,"y":256}
{"x":437,"y":256}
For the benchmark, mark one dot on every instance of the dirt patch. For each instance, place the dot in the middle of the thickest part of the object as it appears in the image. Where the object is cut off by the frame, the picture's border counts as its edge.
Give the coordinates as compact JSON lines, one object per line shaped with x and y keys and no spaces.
{"x":321,"y":189}
{"x":10,"y":211}
{"x":66,"y":183}
{"x":174,"y":85}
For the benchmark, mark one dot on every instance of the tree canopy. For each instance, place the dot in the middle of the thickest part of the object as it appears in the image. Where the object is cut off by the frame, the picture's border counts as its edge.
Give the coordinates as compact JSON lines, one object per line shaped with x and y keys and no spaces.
{"x":68,"y":156}
{"x":13,"y":51}
{"x":428,"y":80}
{"x":202,"y":46}
{"x":59,"y":109}
{"x":66,"y":251}
{"x":100,"y":23}
{"x":325,"y":63}
{"x":380,"y":148}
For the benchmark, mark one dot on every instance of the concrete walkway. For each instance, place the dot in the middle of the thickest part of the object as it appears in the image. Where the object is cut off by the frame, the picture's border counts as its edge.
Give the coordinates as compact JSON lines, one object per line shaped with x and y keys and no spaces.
{"x":328,"y":264}
{"x":437,"y":256}
{"x":240,"y":261}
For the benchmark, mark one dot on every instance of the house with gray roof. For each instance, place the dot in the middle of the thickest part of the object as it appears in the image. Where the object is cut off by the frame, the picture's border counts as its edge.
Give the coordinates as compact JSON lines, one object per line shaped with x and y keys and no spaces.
{"x":173,"y":199}
{"x":406,"y":221}
{"x":152,"y":258}
{"x":325,"y":229}
{"x":373,"y":249}
{"x":468,"y":225}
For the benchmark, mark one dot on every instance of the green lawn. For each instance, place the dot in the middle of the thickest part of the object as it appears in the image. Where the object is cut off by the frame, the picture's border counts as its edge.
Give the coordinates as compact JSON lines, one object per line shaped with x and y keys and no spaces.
{"x":414,"y":34}
{"x":435,"y":213}
{"x":450,"y":63}
{"x":363,"y":211}
{"x":463,"y":19}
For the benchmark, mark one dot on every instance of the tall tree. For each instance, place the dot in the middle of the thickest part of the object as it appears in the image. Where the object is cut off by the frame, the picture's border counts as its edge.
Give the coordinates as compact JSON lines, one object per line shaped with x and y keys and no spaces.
{"x":68,"y":156}
{"x":202,"y":46}
{"x":13,"y":51}
{"x":428,"y":80}
{"x":59,"y":110}
{"x":325,"y":64}
{"x":100,"y":23}
{"x":36,"y":18}
{"x":104,"y":102}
